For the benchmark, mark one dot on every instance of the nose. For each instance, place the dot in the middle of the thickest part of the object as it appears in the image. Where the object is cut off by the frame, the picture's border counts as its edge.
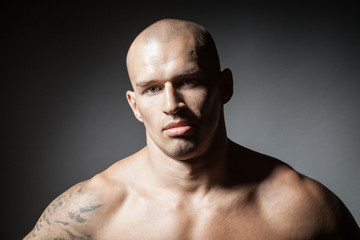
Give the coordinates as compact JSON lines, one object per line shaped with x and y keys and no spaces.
{"x":172,"y":101}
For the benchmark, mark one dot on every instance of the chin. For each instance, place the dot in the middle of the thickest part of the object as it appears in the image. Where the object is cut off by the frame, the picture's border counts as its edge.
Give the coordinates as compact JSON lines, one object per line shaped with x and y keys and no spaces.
{"x":183,"y":151}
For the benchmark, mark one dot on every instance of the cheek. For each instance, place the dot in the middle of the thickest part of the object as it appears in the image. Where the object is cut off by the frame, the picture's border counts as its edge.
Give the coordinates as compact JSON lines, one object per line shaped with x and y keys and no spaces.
{"x":147,"y":111}
{"x":144,"y":111}
{"x":202,"y":102}
{"x":196,"y":101}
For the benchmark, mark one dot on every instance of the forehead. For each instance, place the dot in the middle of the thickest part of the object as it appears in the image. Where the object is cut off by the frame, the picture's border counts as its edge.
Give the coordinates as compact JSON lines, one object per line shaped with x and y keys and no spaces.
{"x":158,"y":59}
{"x":156,"y":52}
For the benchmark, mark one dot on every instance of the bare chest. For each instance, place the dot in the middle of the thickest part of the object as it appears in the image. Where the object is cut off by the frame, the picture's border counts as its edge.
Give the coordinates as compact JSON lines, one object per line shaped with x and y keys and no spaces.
{"x":144,"y":220}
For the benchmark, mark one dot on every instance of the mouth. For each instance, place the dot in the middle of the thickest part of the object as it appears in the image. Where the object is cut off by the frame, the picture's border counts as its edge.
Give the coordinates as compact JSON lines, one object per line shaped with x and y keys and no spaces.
{"x":176,"y":129}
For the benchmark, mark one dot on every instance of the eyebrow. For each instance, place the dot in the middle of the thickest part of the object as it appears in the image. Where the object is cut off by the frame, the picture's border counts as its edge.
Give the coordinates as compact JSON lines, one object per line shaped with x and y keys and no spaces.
{"x":189,"y":70}
{"x":145,"y":83}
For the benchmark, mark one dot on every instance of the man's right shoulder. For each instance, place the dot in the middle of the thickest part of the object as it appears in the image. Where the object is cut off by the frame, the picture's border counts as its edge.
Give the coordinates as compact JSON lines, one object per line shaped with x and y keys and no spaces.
{"x":78,"y":211}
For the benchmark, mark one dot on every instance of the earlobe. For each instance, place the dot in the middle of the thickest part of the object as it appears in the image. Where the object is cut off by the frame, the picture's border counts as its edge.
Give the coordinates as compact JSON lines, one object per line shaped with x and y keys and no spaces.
{"x":130,"y":96}
{"x":227,"y":85}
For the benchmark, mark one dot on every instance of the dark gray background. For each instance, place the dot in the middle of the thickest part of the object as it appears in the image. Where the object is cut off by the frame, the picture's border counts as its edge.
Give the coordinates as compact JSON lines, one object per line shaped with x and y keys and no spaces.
{"x":296,"y":71}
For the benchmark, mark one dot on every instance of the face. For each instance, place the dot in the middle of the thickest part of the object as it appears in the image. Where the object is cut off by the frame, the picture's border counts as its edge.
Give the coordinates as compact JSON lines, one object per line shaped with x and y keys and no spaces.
{"x":176,"y":96}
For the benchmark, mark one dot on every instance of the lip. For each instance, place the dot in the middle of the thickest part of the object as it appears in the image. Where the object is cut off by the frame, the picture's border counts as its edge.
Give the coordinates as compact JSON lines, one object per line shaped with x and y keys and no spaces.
{"x":175,"y":129}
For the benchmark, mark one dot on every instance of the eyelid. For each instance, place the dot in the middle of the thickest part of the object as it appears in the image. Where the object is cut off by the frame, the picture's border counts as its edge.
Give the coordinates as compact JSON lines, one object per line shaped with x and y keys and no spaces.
{"x":188,"y":81}
{"x":146,"y":90}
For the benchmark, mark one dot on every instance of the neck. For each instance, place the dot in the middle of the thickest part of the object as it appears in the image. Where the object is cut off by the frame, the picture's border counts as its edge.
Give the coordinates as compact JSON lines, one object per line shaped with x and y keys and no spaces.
{"x":197,"y":174}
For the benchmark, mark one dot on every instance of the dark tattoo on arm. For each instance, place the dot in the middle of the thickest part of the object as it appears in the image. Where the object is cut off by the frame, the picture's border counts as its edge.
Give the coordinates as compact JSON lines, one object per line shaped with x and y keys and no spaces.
{"x":66,"y":215}
{"x":61,"y":222}
{"x":89,"y":208}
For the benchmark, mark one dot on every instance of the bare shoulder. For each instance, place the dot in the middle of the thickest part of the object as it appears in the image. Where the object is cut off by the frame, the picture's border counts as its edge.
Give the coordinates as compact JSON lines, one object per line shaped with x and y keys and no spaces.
{"x":304,"y":207}
{"x":77,"y":212}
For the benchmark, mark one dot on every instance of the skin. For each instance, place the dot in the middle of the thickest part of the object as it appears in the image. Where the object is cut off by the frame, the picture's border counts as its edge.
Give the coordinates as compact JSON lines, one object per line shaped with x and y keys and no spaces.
{"x":191,"y":181}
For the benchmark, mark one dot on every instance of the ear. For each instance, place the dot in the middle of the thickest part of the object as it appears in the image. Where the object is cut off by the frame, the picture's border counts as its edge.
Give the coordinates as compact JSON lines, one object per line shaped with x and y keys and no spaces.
{"x":227,"y":85}
{"x":130,"y":96}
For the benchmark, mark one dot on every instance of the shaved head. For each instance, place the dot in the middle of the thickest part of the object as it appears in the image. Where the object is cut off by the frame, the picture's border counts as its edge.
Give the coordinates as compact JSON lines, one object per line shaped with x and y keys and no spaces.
{"x":174,"y":70}
{"x":168,"y":29}
{"x":165,"y":31}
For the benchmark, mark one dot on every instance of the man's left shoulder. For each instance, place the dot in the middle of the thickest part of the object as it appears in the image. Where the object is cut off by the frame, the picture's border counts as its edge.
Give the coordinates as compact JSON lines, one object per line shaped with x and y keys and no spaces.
{"x":300,"y":204}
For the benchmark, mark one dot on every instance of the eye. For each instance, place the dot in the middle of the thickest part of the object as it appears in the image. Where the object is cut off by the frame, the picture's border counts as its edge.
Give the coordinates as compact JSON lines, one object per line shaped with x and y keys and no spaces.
{"x":152,"y":90}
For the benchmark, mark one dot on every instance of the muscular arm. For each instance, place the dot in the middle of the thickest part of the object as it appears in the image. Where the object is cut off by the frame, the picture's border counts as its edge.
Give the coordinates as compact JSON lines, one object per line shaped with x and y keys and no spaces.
{"x":67,"y":217}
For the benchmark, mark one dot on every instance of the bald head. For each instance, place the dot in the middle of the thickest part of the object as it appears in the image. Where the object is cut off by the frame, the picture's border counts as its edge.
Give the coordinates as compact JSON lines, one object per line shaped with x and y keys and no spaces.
{"x":168,"y":29}
{"x":165,"y":31}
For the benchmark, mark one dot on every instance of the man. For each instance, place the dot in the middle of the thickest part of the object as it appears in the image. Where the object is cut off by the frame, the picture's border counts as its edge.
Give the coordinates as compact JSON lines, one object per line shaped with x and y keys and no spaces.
{"x":191,"y":181}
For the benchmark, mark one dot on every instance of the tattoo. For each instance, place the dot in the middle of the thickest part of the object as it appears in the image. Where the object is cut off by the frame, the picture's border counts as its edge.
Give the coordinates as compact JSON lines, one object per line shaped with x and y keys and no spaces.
{"x":71,"y":214}
{"x":80,"y":189}
{"x":77,"y":217}
{"x":70,"y":234}
{"x":61,"y":222}
{"x":89,"y":208}
{"x":80,"y":219}
{"x":66,"y":214}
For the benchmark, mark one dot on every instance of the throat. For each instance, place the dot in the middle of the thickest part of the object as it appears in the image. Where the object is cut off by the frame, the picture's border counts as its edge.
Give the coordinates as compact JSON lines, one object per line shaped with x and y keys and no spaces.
{"x":198,"y":174}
